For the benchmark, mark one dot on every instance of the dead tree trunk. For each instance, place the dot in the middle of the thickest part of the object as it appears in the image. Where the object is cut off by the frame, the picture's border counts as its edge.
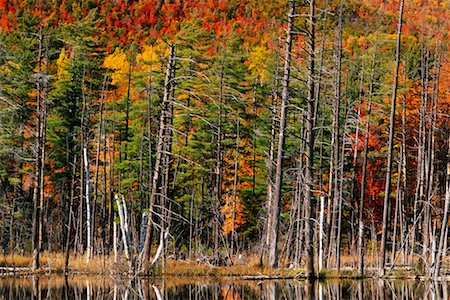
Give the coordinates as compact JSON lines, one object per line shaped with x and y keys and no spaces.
{"x":363,"y":190}
{"x":41,"y":118}
{"x":124,"y":228}
{"x":88,"y":205}
{"x":265,"y":241}
{"x":275,"y":207}
{"x":71,"y":212}
{"x":219,"y":166}
{"x":310,"y":117}
{"x":387,"y":190}
{"x":336,"y":142}
{"x":144,"y":255}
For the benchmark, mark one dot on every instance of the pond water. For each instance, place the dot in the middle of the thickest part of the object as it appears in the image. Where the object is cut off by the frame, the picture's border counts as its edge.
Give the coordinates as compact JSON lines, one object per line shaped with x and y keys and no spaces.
{"x":216,"y":289}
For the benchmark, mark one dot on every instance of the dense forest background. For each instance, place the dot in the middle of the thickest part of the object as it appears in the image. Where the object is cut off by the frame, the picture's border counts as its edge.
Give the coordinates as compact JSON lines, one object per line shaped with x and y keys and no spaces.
{"x":142,"y":126}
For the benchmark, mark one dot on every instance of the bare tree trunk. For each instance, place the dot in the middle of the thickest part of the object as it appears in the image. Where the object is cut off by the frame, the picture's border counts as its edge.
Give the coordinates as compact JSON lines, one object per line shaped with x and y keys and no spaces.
{"x":355,"y":161}
{"x":310,"y":117}
{"x":41,"y":115}
{"x":106,"y":243}
{"x":275,"y":208}
{"x":426,"y":159}
{"x":219,"y":167}
{"x":419,"y":199}
{"x":165,"y":207}
{"x":88,"y":206}
{"x":335,"y":141}
{"x":97,"y":170}
{"x":362,"y":196}
{"x":321,"y":231}
{"x":431,"y":143}
{"x":398,"y":207}
{"x":96,"y":177}
{"x":387,"y":191}
{"x":122,"y":210}
{"x":143,"y":257}
{"x":340,"y":197}
{"x":404,"y":175}
{"x":297,"y":210}
{"x":149,"y":155}
{"x":235,"y":182}
{"x":270,"y":184}
{"x":71,"y":212}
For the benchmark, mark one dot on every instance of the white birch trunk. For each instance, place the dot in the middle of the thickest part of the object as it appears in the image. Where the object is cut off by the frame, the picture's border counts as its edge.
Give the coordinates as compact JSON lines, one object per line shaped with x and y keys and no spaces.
{"x":159,"y":251}
{"x":115,"y":241}
{"x":123,"y":228}
{"x":321,"y":231}
{"x":88,"y":207}
{"x":143,"y":232}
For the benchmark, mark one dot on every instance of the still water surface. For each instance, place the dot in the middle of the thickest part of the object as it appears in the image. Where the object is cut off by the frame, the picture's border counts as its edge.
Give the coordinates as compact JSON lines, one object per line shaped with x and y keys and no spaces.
{"x":230,"y":289}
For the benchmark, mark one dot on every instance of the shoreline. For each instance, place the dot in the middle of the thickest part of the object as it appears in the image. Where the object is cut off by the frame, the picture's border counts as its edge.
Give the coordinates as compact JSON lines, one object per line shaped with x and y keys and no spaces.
{"x":53,"y":264}
{"x":216,"y":273}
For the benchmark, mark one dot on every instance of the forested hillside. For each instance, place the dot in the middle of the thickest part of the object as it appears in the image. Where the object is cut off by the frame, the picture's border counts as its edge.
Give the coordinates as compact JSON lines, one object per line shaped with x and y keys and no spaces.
{"x":310,"y":134}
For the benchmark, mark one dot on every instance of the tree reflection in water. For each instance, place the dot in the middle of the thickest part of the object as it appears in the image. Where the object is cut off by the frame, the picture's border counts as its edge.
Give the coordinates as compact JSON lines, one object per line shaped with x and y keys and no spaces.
{"x":78,"y":288}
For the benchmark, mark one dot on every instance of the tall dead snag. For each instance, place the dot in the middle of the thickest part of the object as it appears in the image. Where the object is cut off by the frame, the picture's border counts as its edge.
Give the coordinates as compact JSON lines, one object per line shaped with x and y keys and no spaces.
{"x":265,"y":242}
{"x":165,"y":218}
{"x":274,"y":214}
{"x":163,"y":122}
{"x":333,"y":241}
{"x":387,"y":190}
{"x":310,"y":118}
{"x":338,"y":161}
{"x":41,"y":127}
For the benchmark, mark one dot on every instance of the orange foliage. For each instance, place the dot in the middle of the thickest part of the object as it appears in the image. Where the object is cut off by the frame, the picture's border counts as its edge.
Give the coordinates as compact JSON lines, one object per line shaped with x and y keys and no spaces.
{"x":229,"y":293}
{"x":234,"y":206}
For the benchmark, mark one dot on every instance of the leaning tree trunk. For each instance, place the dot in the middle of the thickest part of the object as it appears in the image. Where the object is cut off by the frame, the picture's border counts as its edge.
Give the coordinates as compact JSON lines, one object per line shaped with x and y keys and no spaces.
{"x":275,"y":207}
{"x":387,"y":190}
{"x":145,"y":253}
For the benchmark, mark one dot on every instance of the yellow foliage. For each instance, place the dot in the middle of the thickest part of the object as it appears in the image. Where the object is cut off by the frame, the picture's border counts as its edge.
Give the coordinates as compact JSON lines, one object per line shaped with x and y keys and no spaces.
{"x":62,"y":63}
{"x":431,"y":19}
{"x":258,"y":63}
{"x":5,"y":68}
{"x":119,"y":63}
{"x":149,"y":57}
{"x":183,"y":96}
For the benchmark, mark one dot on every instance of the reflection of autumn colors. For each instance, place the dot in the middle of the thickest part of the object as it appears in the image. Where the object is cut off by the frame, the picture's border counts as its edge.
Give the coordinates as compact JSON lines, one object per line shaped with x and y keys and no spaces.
{"x":230,"y":293}
{"x":98,"y":288}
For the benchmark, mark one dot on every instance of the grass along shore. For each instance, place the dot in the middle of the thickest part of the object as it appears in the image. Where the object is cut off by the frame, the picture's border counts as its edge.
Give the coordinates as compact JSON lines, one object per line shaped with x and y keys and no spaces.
{"x":249,"y":268}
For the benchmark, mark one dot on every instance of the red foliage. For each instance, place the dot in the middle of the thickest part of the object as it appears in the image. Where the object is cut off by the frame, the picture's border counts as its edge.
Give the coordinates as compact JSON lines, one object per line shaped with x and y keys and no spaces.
{"x":3,"y":5}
